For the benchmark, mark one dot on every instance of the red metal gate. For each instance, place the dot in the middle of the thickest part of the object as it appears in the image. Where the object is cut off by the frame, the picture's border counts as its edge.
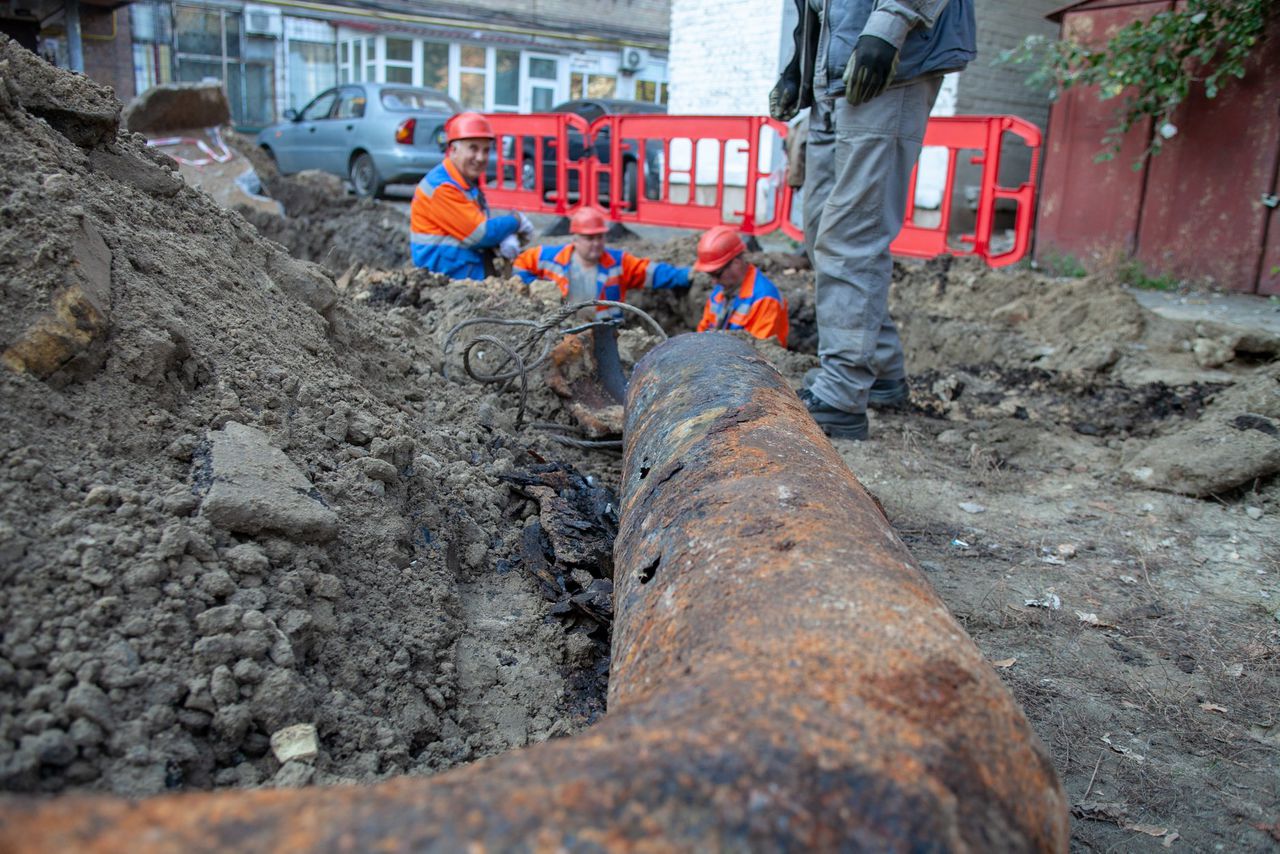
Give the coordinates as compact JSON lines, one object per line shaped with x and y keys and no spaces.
{"x":1203,"y":208}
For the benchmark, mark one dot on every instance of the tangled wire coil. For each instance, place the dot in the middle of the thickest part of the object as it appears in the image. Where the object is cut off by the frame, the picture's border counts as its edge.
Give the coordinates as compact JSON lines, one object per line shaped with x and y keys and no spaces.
{"x":541,"y":338}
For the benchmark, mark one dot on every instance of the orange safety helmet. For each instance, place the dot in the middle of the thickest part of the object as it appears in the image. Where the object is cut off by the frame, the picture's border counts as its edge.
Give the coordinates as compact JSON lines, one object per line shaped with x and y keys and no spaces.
{"x":718,"y":247}
{"x":588,"y":220}
{"x":467,"y":126}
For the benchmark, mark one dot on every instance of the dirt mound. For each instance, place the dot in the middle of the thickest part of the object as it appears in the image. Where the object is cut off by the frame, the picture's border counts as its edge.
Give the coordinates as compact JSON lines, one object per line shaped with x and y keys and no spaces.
{"x":1235,"y":444}
{"x":233,"y":500}
{"x":321,"y":222}
{"x":175,"y":106}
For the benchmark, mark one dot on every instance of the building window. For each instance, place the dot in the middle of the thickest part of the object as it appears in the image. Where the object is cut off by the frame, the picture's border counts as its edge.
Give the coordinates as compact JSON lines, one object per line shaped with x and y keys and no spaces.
{"x":592,"y":85}
{"x":199,"y":31}
{"x":399,"y":61}
{"x":543,"y":76}
{"x":506,"y":80}
{"x":651,"y":90}
{"x":211,"y":46}
{"x":435,"y":66}
{"x":473,"y":72}
{"x":152,"y":30}
{"x":371,"y":59}
{"x":310,"y":71}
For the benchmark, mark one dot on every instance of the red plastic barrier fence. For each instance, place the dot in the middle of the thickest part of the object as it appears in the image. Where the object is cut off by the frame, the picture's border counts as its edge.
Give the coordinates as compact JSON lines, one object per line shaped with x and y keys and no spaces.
{"x":693,"y":190}
{"x":986,"y":134}
{"x":531,"y":173}
{"x":700,"y":171}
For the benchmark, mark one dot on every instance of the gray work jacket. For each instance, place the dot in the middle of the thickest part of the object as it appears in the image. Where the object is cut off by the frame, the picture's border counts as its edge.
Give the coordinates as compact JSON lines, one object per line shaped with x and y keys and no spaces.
{"x":933,"y":37}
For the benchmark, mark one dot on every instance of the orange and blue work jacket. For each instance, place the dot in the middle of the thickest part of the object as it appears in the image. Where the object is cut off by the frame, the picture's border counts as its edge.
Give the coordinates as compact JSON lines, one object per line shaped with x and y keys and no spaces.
{"x":616,"y":273}
{"x":759,"y":308}
{"x":450,"y":224}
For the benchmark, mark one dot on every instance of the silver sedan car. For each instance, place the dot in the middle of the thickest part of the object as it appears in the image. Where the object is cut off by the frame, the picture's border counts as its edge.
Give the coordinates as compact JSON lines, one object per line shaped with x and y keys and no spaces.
{"x":372,"y":133}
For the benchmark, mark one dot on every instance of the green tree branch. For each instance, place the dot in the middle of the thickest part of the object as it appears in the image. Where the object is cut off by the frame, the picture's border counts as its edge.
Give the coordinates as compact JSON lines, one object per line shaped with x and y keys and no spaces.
{"x":1155,"y":63}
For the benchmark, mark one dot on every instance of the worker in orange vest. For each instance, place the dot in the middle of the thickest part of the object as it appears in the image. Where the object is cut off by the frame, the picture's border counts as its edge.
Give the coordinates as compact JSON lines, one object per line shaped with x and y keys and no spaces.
{"x":757,"y":305}
{"x":588,"y":270}
{"x":451,"y":231}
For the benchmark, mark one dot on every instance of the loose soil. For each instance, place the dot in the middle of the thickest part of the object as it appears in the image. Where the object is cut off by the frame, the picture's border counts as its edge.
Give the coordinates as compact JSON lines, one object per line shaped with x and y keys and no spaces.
{"x":1090,"y":486}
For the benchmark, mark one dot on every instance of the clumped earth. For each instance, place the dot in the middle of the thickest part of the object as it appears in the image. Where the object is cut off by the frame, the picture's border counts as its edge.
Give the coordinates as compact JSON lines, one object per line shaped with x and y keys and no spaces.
{"x":241,"y":492}
{"x":167,"y":612}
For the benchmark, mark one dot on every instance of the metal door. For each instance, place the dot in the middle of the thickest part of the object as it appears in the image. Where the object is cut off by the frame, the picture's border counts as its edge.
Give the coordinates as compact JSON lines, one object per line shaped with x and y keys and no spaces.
{"x":1205,"y":213}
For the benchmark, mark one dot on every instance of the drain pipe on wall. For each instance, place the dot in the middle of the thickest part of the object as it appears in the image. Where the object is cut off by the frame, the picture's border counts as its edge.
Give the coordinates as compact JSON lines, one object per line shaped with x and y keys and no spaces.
{"x":783,"y":677}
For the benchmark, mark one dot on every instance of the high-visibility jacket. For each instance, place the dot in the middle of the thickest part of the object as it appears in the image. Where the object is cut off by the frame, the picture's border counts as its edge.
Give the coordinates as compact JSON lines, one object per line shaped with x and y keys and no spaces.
{"x":616,"y":273}
{"x":759,"y":308}
{"x":449,"y":223}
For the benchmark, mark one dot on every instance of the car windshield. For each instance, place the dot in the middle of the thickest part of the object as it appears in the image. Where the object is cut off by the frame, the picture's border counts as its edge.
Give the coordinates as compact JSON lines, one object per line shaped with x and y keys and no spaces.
{"x":416,"y":100}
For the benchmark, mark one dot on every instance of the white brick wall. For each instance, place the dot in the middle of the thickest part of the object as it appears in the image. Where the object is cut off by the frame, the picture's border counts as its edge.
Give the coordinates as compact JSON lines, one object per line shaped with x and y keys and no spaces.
{"x":724,"y":56}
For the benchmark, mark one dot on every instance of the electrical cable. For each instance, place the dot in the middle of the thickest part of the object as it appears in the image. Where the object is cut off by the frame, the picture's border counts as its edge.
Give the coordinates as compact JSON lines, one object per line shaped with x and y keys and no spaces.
{"x":540,"y":338}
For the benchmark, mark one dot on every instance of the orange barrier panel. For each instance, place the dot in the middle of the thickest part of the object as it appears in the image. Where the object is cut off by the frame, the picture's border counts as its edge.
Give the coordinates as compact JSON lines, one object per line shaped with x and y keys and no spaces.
{"x":532,"y":174}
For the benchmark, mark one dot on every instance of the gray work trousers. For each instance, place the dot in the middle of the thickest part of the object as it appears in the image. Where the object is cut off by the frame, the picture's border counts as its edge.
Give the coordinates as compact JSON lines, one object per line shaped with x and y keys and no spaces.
{"x":857,"y":174}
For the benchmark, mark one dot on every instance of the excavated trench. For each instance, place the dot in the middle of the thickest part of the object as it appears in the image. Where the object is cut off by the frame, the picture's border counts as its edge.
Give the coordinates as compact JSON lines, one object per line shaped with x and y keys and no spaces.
{"x":459,"y":608}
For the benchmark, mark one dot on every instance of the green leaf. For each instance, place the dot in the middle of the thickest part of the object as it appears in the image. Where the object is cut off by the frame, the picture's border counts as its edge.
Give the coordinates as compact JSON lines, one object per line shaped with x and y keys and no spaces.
{"x":1154,"y":61}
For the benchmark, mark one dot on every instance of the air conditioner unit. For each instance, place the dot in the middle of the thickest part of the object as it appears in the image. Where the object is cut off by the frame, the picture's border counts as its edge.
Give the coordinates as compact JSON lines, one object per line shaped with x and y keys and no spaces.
{"x":633,"y":59}
{"x":262,"y":21}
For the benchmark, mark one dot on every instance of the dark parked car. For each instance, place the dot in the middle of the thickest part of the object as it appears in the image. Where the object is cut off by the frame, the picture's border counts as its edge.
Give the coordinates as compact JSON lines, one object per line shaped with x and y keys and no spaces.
{"x":372,"y":133}
{"x":591,"y":109}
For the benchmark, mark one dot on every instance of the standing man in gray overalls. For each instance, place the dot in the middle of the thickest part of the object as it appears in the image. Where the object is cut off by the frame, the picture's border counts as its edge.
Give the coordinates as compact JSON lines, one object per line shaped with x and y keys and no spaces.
{"x":869,"y":70}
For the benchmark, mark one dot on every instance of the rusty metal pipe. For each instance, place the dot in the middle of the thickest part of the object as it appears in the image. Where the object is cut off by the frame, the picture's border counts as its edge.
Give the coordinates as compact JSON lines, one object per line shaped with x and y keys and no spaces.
{"x":783,"y":678}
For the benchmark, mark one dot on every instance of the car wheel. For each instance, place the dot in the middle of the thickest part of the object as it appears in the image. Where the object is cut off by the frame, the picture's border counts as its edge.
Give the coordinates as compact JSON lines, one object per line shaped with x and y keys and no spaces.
{"x":365,"y":179}
{"x":630,"y":185}
{"x":528,"y":173}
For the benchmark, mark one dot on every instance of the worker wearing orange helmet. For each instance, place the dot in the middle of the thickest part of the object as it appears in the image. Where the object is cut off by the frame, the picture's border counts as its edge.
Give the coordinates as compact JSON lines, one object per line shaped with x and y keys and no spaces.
{"x":451,"y":231}
{"x":757,"y":306}
{"x":588,"y":270}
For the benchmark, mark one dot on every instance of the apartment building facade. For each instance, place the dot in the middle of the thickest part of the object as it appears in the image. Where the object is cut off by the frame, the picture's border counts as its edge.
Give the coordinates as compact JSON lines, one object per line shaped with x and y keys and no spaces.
{"x":276,"y":55}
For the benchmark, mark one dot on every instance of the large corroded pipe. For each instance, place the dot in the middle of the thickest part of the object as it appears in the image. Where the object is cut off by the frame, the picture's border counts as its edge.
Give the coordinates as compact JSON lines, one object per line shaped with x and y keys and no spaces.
{"x":783,"y":678}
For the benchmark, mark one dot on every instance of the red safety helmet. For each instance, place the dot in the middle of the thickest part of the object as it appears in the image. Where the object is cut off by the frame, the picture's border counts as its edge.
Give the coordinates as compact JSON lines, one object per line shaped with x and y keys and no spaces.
{"x":468,"y":126}
{"x":588,"y":220}
{"x":718,"y":247}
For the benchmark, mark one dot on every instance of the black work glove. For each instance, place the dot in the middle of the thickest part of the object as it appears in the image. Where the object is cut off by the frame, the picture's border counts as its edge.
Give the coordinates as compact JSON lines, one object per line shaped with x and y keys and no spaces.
{"x":870,"y":69}
{"x":784,"y":97}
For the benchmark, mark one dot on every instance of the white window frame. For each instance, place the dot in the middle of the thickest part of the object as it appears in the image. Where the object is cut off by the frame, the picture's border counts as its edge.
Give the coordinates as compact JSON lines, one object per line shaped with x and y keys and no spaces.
{"x":358,"y":72}
{"x":527,"y":81}
{"x":456,"y":71}
{"x":412,"y":64}
{"x":522,"y":74}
